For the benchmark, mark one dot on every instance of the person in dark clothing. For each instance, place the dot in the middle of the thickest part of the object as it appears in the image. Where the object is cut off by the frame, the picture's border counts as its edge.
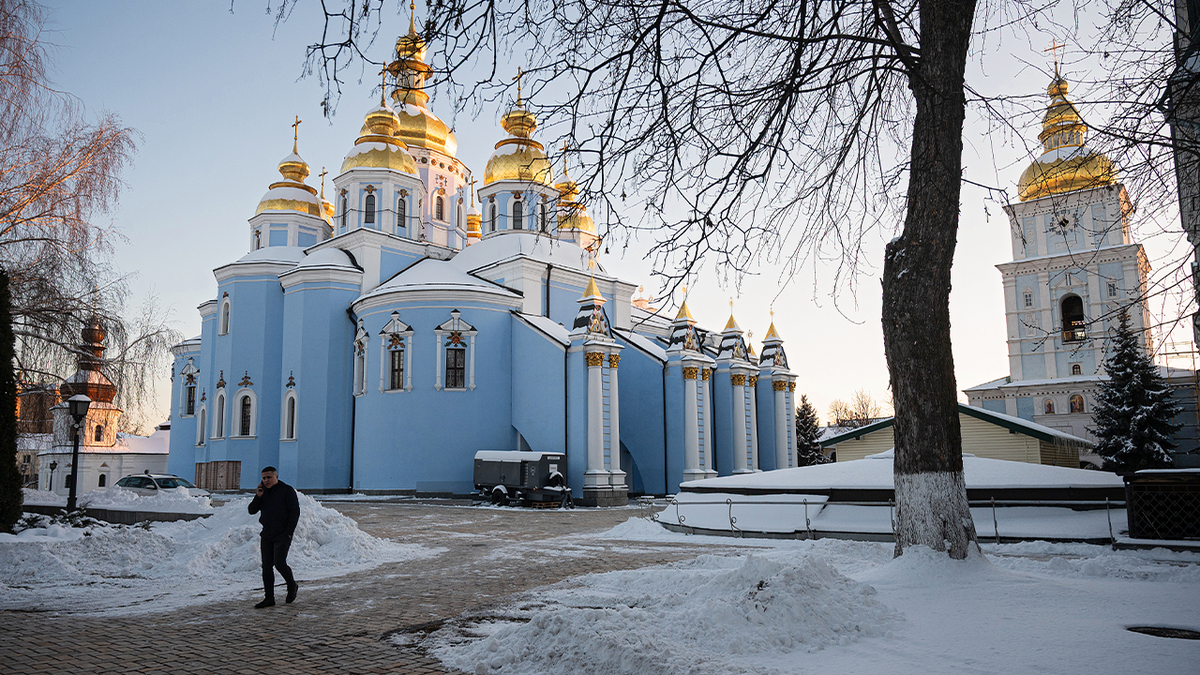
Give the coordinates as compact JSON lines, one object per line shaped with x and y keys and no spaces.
{"x":278,"y":511}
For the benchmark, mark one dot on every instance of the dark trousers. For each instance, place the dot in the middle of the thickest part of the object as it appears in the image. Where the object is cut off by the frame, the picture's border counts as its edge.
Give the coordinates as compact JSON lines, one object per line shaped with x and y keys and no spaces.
{"x":274,"y":555}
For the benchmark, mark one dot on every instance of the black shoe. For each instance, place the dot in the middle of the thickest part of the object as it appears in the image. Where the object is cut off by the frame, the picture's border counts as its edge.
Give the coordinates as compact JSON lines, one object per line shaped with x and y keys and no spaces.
{"x":292,"y":588}
{"x":267,"y":602}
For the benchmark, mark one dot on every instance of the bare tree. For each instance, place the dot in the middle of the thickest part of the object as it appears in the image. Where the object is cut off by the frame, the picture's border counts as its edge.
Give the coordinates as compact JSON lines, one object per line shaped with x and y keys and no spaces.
{"x":862,"y":410}
{"x":734,"y":129}
{"x":59,"y":174}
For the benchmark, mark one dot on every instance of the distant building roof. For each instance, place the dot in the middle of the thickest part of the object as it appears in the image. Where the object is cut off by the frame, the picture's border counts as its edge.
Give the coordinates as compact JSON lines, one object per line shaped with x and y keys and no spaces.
{"x":1009,"y":422}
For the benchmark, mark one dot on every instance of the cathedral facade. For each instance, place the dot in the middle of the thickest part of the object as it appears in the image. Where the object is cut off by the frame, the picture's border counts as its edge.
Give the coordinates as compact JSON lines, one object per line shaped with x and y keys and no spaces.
{"x":1075,"y":268}
{"x":376,"y":341}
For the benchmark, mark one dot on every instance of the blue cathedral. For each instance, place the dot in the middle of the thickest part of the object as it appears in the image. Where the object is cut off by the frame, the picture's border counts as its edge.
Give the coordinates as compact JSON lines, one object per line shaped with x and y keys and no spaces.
{"x":375,"y":343}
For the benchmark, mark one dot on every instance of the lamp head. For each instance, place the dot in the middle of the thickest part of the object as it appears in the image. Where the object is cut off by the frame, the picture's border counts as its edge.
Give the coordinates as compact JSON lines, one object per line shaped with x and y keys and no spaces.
{"x":53,"y":465}
{"x":78,"y":406}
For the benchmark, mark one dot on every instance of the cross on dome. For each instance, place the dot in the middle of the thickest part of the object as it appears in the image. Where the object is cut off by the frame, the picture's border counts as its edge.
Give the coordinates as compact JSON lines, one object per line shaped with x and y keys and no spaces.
{"x":296,"y":133}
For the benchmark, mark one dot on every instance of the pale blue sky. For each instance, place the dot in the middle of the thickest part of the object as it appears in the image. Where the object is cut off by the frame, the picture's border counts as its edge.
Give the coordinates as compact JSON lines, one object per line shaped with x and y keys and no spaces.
{"x":214,"y":93}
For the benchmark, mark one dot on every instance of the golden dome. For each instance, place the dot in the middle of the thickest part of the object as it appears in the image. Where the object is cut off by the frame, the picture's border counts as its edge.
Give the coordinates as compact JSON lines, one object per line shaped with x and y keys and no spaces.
{"x":326,"y":205}
{"x":572,"y":214}
{"x":291,"y":194}
{"x":378,"y":147}
{"x":474,"y":218}
{"x":1066,"y":164}
{"x":519,"y":157}
{"x":416,"y":125}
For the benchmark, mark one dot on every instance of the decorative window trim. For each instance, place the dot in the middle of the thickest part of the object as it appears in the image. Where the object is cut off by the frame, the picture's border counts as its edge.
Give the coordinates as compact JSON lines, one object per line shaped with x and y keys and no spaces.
{"x":345,"y":212}
{"x":201,"y":424}
{"x":1028,"y":299}
{"x":445,"y":334}
{"x":369,"y":209}
{"x":403,"y":333}
{"x":543,"y":217}
{"x":224,"y":316}
{"x":402,"y":213}
{"x":516,"y":206}
{"x":245,"y":392}
{"x":218,"y":424}
{"x":289,"y":397}
{"x":494,"y":214}
{"x":439,"y":208}
{"x":359,"y":350}
{"x":188,"y":374}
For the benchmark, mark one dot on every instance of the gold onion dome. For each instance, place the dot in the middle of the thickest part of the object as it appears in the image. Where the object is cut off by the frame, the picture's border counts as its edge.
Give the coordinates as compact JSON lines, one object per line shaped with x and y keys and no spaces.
{"x":417,"y":126}
{"x":377,"y":146}
{"x":1066,"y":164}
{"x":572,"y":214}
{"x":291,"y":193}
{"x":519,"y":157}
{"x":474,"y":218}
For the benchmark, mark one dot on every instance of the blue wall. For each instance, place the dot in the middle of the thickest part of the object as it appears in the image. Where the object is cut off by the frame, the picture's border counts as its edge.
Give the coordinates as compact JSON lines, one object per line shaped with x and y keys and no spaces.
{"x":641,"y":400}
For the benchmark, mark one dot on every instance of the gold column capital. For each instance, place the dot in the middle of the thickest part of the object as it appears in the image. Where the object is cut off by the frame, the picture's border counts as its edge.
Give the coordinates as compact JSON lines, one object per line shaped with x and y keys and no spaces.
{"x":779,"y":385}
{"x":791,"y":386}
{"x":594,"y":358}
{"x":689,"y":373}
{"x":739,"y":380}
{"x":706,"y":373}
{"x":614,"y":360}
{"x":753,"y":380}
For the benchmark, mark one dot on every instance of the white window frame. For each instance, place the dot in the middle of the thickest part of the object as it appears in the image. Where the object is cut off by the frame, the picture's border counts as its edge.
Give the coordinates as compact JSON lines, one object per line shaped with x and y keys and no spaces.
{"x":515,"y":206}
{"x":201,"y":424}
{"x":224,"y":316}
{"x":493,"y":216}
{"x":402,"y":214}
{"x":219,"y":421}
{"x":359,"y":351}
{"x":289,"y":396}
{"x":404,"y":333}
{"x":245,"y":392}
{"x":442,"y":333}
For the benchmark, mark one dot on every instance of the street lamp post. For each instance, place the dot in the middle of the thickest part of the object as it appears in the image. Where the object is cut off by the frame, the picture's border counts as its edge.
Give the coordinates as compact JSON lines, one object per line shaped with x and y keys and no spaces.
{"x":77,"y":405}
{"x":50,"y":484}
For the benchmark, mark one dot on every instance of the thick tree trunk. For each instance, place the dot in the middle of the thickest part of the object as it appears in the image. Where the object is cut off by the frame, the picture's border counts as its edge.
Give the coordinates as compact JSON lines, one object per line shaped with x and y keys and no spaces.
{"x":930,"y":491}
{"x":10,"y":477}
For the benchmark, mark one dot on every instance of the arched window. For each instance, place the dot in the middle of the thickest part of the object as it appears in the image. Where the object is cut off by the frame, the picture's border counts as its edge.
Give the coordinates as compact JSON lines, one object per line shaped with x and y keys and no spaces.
{"x":223,"y":328}
{"x":543,"y":217}
{"x":246,"y":410}
{"x":518,"y":215}
{"x":402,"y":215}
{"x":1076,"y":369}
{"x":1073,"y":325}
{"x":369,"y":210}
{"x":201,"y":426}
{"x":396,"y":369}
{"x":98,"y":435}
{"x":219,"y":423}
{"x":495,"y":215}
{"x":103,"y":480}
{"x":189,"y":400}
{"x":289,"y":416}
{"x":1048,"y":407}
{"x":439,"y":208}
{"x":360,"y":366}
{"x":462,"y":219}
{"x":1076,"y":403}
{"x":456,"y":368}
{"x":257,"y":240}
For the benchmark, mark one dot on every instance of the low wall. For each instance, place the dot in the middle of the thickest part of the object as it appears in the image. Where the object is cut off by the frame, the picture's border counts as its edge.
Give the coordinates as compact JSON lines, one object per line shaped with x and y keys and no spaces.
{"x":115,"y":516}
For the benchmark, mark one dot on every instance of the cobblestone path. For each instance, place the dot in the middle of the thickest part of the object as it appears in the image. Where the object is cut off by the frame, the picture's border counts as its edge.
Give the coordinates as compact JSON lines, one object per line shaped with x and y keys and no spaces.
{"x":340,"y":625}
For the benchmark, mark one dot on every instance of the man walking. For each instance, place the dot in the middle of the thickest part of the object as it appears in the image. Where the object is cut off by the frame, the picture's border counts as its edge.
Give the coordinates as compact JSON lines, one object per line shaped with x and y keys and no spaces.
{"x":279,"y":511}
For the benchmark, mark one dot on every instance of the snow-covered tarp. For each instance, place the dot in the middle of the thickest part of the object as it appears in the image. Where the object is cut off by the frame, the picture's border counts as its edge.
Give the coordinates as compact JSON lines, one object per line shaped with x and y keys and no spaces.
{"x":119,"y":569}
{"x":165,"y":500}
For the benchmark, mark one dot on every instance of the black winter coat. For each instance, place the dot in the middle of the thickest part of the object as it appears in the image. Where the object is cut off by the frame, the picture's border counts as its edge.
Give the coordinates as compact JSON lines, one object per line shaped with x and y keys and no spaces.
{"x":279,"y":511}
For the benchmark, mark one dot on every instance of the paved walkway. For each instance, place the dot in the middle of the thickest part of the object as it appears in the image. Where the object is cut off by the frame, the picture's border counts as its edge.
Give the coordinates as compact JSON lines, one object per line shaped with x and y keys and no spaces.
{"x":342,"y":625}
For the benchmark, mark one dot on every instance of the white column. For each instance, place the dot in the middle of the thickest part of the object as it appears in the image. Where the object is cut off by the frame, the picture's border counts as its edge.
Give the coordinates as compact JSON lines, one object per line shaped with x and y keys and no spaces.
{"x":737,"y":413}
{"x":790,"y":424}
{"x":691,"y":430}
{"x":616,"y":475}
{"x":709,"y":446}
{"x":781,"y":434}
{"x":595,"y":474}
{"x":754,"y":423}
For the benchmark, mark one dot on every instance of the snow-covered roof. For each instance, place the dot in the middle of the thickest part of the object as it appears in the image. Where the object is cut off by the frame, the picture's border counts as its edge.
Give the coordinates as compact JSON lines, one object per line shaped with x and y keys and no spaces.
{"x":429,"y":274}
{"x":157,"y":443}
{"x":327,"y":257}
{"x":875,"y":472}
{"x":1167,"y":372}
{"x":651,"y":347}
{"x":1009,"y":422}
{"x":514,"y":455}
{"x":275,"y":254}
{"x":551,"y":328}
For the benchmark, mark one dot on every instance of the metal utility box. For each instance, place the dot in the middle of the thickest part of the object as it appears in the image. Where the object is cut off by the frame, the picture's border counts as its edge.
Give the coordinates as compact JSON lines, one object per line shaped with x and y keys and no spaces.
{"x":526,"y":477}
{"x":1163,"y":504}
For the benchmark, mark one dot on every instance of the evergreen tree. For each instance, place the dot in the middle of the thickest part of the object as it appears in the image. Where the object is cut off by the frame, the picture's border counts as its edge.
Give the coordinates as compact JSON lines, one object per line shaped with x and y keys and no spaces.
{"x":1134,"y":408}
{"x":10,"y":477}
{"x":808,"y":431}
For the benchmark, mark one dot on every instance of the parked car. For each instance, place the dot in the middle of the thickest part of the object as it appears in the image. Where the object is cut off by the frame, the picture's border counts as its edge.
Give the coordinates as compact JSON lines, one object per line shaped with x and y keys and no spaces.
{"x":151,"y":483}
{"x":524,"y":477}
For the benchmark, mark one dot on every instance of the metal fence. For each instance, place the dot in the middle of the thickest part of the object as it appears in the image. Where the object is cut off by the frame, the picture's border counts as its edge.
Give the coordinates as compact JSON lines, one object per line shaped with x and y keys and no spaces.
{"x":1164,"y":505}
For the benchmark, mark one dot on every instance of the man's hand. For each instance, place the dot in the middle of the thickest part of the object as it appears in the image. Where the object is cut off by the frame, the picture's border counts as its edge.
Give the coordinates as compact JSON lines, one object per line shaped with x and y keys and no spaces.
{"x":259,"y":491}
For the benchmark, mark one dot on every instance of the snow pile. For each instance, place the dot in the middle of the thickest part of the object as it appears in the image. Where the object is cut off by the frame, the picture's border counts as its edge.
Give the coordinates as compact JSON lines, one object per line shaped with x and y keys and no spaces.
{"x":30,"y":496}
{"x":172,"y":564}
{"x":165,"y":500}
{"x":688,"y":617}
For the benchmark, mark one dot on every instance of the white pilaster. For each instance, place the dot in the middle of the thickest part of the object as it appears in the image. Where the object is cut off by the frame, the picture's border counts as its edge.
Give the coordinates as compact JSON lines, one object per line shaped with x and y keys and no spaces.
{"x":781,"y":431}
{"x":709,"y":427}
{"x":753,"y":423}
{"x":595,"y":474}
{"x":616,"y":475}
{"x":691,"y":426}
{"x":737,"y":422}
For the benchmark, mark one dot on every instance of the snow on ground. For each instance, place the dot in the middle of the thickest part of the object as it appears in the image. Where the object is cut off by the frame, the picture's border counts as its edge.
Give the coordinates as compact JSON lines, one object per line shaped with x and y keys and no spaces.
{"x":166,"y":500}
{"x":834,"y":606}
{"x":116,"y":569}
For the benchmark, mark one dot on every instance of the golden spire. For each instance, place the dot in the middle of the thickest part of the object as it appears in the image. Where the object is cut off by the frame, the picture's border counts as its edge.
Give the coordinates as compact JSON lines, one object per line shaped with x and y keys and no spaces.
{"x":591,"y":291}
{"x":684,"y":313}
{"x":412,"y":18}
{"x":772,"y":334}
{"x":518,"y":79}
{"x":731,"y":324}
